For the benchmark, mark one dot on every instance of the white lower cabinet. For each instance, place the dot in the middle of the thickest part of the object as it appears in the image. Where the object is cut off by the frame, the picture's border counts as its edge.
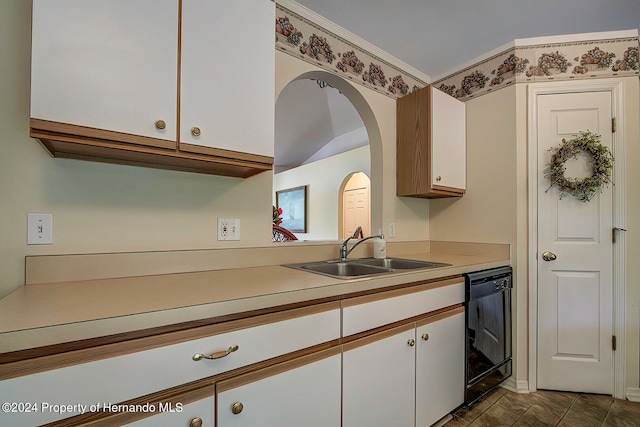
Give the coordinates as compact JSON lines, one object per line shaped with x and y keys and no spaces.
{"x":301,"y":392}
{"x":230,"y":345}
{"x":410,"y":375}
{"x":195,"y":414}
{"x":440,"y":366}
{"x":379,"y":379}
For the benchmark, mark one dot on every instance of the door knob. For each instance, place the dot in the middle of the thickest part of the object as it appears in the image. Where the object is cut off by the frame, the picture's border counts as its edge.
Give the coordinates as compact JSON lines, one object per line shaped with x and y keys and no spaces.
{"x":548,"y":256}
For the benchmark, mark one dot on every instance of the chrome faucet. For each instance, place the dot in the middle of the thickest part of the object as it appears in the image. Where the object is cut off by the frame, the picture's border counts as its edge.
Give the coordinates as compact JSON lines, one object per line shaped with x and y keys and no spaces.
{"x":344,"y":251}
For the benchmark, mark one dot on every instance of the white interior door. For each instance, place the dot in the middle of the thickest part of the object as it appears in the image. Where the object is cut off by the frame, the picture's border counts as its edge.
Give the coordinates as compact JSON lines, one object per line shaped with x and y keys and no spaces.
{"x":575,"y":291}
{"x":356,"y":208}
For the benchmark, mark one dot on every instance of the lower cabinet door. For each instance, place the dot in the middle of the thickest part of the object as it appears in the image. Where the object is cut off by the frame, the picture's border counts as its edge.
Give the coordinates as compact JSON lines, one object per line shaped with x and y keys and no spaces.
{"x":195,"y":414}
{"x":301,"y":392}
{"x":440,"y":366}
{"x":379,"y":379}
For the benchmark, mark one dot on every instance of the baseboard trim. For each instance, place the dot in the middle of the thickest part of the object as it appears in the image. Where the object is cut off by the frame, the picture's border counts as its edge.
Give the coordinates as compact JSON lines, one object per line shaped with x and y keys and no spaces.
{"x":633,"y":394}
{"x":516,"y":386}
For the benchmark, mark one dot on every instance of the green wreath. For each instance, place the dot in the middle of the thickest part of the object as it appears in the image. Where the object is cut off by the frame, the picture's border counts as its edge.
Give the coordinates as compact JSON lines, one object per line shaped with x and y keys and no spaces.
{"x":602,"y":166}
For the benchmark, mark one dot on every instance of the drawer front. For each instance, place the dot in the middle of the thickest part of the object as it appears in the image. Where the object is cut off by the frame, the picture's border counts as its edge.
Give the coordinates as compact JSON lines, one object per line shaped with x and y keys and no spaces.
{"x":363,"y":313}
{"x":182,"y":415}
{"x":125,"y":377}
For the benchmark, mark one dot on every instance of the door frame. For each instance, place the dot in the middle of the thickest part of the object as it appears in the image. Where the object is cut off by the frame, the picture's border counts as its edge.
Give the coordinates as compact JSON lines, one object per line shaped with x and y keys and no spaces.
{"x":615,"y":86}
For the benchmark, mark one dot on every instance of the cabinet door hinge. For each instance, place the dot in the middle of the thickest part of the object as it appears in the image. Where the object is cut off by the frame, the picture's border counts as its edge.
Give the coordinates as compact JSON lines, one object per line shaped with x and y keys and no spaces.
{"x":613,"y":124}
{"x":613,"y":343}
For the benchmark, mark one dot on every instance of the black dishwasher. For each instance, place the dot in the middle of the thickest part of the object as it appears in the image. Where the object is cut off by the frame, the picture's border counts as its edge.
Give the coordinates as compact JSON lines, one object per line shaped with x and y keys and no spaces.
{"x":488,"y":330}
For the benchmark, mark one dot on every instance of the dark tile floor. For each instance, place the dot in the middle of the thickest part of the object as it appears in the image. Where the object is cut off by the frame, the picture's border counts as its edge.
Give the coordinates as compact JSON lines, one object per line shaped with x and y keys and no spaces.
{"x":548,"y":408}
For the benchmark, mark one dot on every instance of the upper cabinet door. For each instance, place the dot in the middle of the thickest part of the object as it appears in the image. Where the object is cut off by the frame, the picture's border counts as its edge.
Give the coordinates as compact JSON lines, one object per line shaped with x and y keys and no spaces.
{"x":228,"y":75}
{"x":106,"y":64}
{"x":431,"y":145}
{"x":448,"y":141}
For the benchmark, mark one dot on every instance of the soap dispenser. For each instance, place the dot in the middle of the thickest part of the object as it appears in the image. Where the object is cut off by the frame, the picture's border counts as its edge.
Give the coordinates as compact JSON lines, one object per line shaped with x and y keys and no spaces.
{"x":380,"y":247}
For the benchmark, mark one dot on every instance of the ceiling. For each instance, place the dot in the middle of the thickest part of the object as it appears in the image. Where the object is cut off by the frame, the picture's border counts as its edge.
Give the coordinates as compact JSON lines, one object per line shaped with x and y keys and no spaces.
{"x":433,"y":36}
{"x":312,"y":123}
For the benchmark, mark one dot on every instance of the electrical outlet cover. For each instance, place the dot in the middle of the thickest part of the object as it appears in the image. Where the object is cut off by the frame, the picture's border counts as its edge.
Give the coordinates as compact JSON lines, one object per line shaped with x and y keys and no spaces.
{"x":228,"y":229}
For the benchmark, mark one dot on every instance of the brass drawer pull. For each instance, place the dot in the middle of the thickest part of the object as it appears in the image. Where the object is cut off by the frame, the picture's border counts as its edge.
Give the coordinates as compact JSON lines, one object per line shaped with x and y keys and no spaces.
{"x":160,"y":124}
{"x":195,"y":422}
{"x":438,"y":178}
{"x":195,"y":131}
{"x":411,"y":343}
{"x":425,"y":337}
{"x":216,"y":355}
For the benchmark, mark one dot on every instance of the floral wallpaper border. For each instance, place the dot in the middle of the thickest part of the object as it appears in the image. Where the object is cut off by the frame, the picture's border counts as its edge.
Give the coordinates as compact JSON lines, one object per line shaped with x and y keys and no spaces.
{"x":306,"y":40}
{"x":545,"y":62}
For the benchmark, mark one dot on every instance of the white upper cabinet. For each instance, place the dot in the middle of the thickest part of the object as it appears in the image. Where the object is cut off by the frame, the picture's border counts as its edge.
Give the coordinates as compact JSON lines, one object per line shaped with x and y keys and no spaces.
{"x":431,"y":145}
{"x":178,"y":84}
{"x":228,"y":75}
{"x":106,"y":64}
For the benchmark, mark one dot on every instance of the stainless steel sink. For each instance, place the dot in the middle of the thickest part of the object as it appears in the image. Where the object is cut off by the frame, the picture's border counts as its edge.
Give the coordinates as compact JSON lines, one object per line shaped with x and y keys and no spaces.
{"x":342,"y":269}
{"x":400,"y":263}
{"x":363,"y":267}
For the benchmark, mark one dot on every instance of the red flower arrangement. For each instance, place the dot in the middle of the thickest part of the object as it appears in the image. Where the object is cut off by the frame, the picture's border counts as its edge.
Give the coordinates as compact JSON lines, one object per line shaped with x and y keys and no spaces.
{"x":276,"y":215}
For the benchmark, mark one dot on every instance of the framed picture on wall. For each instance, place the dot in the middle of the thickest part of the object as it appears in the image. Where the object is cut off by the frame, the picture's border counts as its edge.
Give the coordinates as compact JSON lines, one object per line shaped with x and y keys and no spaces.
{"x":293,"y":202}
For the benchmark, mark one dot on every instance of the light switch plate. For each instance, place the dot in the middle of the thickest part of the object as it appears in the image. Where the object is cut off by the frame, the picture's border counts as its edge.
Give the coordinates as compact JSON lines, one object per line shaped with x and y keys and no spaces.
{"x":39,"y":229}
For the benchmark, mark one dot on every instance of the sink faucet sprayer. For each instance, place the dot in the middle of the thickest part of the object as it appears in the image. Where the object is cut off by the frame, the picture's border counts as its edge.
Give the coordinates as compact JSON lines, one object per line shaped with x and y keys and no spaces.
{"x":344,"y":252}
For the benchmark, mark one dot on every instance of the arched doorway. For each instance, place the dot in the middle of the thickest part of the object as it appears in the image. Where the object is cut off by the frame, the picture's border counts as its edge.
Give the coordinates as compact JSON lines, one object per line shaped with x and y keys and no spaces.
{"x":372,"y":134}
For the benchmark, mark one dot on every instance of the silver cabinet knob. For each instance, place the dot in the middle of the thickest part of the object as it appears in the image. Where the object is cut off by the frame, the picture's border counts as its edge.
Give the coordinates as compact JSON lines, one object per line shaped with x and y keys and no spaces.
{"x":548,"y":256}
{"x":411,"y":342}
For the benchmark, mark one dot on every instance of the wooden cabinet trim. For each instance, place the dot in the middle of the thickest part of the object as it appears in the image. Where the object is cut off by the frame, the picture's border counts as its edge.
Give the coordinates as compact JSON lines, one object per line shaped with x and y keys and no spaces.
{"x":184,"y":394}
{"x":349,"y":302}
{"x":61,"y":360}
{"x":379,"y":334}
{"x":420,"y":320}
{"x":269,"y":371}
{"x":48,"y":129}
{"x":219,"y":152}
{"x":440,"y":316}
{"x":77,"y":142}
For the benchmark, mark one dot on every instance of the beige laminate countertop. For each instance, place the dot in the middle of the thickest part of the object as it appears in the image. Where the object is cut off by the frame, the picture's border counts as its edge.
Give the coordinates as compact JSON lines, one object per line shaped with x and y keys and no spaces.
{"x":46,"y":314}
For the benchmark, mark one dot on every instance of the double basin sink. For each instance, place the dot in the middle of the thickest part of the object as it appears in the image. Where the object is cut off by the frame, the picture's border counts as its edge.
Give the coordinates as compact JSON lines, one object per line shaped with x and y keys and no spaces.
{"x":364,"y":267}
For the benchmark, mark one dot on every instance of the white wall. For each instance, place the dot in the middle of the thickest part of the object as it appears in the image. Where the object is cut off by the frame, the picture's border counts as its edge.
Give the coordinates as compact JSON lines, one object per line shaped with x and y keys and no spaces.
{"x":324,"y":178}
